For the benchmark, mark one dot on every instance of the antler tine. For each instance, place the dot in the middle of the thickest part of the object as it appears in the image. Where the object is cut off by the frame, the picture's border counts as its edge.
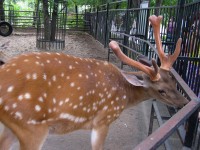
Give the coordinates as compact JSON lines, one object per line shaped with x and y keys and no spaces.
{"x":152,"y":72}
{"x":155,"y":22}
{"x":166,"y":61}
{"x":176,"y":52}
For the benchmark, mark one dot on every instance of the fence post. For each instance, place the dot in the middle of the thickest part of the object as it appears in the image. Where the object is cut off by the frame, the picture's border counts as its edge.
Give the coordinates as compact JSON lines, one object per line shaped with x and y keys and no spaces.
{"x":125,"y":41}
{"x":180,"y":12}
{"x":106,"y":25}
{"x":97,"y":19}
{"x":146,"y":31}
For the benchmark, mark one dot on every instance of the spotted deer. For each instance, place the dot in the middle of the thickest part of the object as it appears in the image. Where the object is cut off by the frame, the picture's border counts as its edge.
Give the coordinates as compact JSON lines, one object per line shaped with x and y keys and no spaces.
{"x":53,"y":93}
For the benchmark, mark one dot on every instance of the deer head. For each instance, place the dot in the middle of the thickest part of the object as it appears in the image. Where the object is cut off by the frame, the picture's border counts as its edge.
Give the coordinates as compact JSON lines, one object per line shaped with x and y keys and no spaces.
{"x":161,"y":85}
{"x":43,"y":93}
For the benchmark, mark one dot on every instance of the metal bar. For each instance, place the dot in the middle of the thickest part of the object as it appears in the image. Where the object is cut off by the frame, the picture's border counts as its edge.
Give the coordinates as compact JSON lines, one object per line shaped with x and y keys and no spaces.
{"x":160,"y":122}
{"x":161,"y":134}
{"x":189,"y":93}
{"x":151,"y":120}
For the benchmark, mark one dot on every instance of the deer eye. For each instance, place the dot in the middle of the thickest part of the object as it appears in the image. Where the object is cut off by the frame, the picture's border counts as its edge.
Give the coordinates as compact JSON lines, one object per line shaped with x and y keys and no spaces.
{"x":162,"y":92}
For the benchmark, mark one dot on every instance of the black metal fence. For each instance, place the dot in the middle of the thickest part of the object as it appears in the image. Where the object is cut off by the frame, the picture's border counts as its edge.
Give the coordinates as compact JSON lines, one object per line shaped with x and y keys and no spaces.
{"x":131,"y":28}
{"x":19,"y":18}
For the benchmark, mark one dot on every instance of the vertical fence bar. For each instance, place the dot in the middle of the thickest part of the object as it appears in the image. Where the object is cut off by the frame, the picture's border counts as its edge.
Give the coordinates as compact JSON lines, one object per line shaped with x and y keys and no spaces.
{"x":97,"y":21}
{"x":106,"y":26}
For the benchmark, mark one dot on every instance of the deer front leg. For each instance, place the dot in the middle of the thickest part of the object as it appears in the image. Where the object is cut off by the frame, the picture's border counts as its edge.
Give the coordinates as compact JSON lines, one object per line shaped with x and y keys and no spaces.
{"x":33,"y":137}
{"x":7,"y":139}
{"x":98,"y":137}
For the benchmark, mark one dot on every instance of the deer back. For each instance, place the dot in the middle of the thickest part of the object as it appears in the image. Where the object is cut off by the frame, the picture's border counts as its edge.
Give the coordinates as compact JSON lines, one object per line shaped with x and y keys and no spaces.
{"x":47,"y":87}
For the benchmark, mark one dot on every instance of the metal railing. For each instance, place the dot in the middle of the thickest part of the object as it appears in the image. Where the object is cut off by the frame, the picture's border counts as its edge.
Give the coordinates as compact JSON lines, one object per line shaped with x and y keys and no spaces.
{"x":179,"y":118}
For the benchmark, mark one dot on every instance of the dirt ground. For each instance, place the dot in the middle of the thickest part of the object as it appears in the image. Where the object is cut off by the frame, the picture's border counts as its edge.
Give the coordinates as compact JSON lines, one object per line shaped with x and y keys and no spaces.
{"x":124,"y":134}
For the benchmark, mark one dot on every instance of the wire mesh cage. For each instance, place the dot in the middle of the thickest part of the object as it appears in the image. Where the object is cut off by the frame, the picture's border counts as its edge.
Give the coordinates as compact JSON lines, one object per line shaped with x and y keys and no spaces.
{"x":51,"y":24}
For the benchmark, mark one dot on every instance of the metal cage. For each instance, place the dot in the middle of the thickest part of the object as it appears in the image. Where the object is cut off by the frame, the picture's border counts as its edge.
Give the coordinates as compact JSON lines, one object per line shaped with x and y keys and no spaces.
{"x":51,"y":24}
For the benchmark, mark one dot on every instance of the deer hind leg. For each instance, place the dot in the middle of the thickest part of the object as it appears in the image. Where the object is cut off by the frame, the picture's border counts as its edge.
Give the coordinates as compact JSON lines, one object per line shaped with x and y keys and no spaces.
{"x":7,"y":139}
{"x":32,"y":137}
{"x":98,"y":137}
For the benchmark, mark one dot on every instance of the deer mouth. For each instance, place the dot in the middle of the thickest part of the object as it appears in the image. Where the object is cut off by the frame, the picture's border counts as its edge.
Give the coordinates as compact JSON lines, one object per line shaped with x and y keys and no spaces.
{"x":176,"y":103}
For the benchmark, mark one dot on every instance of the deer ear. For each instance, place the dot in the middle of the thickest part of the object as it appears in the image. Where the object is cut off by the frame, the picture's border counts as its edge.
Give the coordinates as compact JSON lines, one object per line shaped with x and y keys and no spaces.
{"x":132,"y":79}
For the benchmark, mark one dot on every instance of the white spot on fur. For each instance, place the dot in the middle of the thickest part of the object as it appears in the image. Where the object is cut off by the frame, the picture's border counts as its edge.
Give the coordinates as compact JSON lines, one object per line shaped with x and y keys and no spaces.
{"x":6,"y":108}
{"x":75,"y":107}
{"x":45,"y":95}
{"x":13,"y":64}
{"x":41,"y":99}
{"x":124,"y":97}
{"x":34,"y":76}
{"x":62,"y":74}
{"x":14,"y":105}
{"x":44,"y":76}
{"x":80,"y":97}
{"x":54,"y":100}
{"x":20,"y":97}
{"x":66,"y":100}
{"x":31,"y":122}
{"x":10,"y":88}
{"x":28,"y":76}
{"x":18,"y":115}
{"x":1,"y":100}
{"x":27,"y":96}
{"x":70,"y":67}
{"x":26,"y":60}
{"x":54,"y":78}
{"x":37,"y":108}
{"x":61,"y":103}
{"x":37,"y":63}
{"x":109,"y":95}
{"x":105,"y":107}
{"x":72,"y":118}
{"x":18,"y":71}
{"x":105,"y":63}
{"x":72,"y":84}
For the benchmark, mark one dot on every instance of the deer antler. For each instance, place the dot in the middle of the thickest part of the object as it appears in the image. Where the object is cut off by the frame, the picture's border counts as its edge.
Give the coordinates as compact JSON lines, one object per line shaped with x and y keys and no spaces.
{"x":166,"y":61}
{"x":152,"y":72}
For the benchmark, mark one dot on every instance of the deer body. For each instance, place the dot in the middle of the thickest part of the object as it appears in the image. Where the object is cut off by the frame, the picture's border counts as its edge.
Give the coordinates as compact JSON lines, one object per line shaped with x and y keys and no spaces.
{"x":43,"y":93}
{"x":85,"y":93}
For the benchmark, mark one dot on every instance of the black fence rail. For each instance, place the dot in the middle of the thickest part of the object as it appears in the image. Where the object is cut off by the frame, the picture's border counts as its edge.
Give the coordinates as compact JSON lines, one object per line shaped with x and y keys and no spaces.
{"x":20,"y":19}
{"x":78,"y":22}
{"x":28,"y":19}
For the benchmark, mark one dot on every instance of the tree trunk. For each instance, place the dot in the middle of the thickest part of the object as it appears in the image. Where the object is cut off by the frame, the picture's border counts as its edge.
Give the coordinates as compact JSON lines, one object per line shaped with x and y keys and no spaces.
{"x":134,"y":3}
{"x":46,"y":20}
{"x":158,"y":4}
{"x":53,"y":22}
{"x":76,"y":11}
{"x":2,"y":14}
